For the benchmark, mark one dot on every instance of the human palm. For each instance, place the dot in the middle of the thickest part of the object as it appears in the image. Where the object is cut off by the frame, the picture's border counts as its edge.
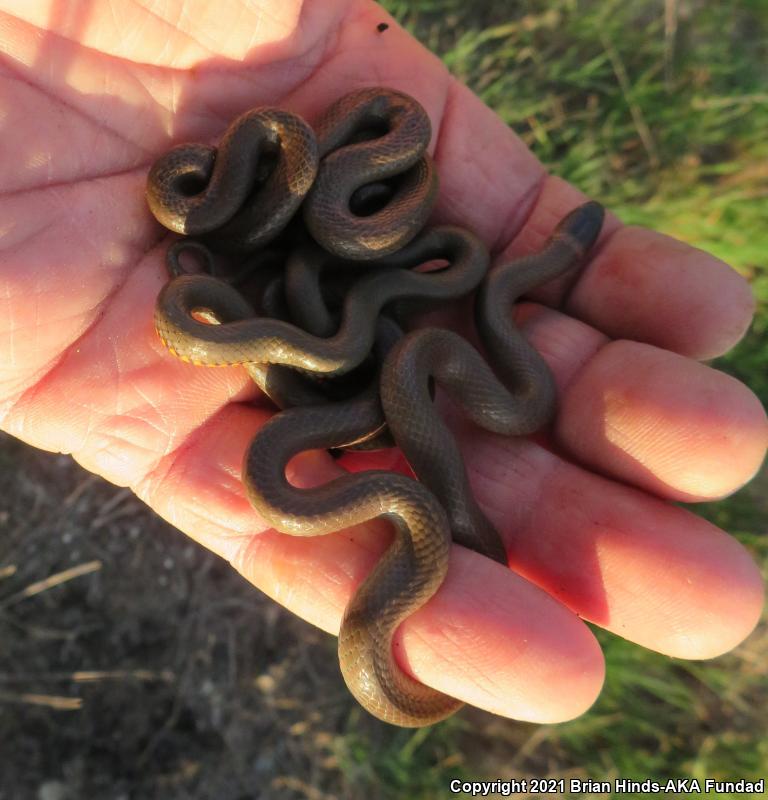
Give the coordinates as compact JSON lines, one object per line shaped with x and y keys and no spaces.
{"x":94,"y":92}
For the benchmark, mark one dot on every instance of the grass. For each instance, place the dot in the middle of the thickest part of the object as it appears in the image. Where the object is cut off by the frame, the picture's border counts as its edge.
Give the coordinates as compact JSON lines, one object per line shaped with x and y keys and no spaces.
{"x":660,"y":111}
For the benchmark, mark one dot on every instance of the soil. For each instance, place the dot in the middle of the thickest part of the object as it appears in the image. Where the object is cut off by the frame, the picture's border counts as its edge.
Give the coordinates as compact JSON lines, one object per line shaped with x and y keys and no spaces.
{"x":199,"y":685}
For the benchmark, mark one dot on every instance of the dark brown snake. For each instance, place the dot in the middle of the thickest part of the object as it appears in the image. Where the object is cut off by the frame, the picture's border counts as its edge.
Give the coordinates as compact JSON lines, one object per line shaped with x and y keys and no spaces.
{"x":198,"y":189}
{"x":402,"y":132}
{"x":516,"y":397}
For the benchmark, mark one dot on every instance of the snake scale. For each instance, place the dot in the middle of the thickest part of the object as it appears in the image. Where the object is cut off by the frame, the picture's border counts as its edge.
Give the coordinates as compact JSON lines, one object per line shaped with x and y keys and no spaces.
{"x":350,"y":197}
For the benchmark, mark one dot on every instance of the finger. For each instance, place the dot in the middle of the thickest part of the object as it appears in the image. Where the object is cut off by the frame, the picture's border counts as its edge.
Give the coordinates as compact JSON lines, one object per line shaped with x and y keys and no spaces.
{"x":646,"y":286}
{"x":488,"y":637}
{"x":668,"y":424}
{"x":645,"y":416}
{"x":641,"y":285}
{"x":649,"y":571}
{"x":638,"y":284}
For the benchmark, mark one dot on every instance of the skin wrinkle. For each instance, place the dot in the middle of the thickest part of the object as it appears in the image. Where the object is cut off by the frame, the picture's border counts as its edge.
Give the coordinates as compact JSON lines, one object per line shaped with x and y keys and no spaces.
{"x":152,"y":481}
{"x":489,"y":469}
{"x":61,"y":184}
{"x":482,"y":679}
{"x":165,"y":429}
{"x":437,"y":119}
{"x":260,"y":13}
{"x":176,"y":30}
{"x":59,"y":101}
{"x":439,"y":123}
{"x":210,"y":69}
{"x":561,"y":330}
{"x":455,"y":89}
{"x":215,"y":520}
{"x":102,"y":452}
{"x":517,"y":218}
{"x":286,"y":592}
{"x":326,"y":45}
{"x":98,"y":427}
{"x":150,"y":154}
{"x":27,"y":397}
{"x":200,"y":512}
{"x":332,"y":36}
{"x":675,"y":620}
{"x":115,"y":25}
{"x":6,"y":241}
{"x":501,"y":472}
{"x":173,"y":453}
{"x":11,"y":399}
{"x":629,"y":444}
{"x":457,"y":636}
{"x":35,"y":326}
{"x":64,"y":38}
{"x":132,"y":421}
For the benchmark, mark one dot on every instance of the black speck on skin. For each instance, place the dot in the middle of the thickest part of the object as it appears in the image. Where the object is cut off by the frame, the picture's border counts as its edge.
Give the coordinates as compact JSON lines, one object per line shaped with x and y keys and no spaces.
{"x":381,"y":27}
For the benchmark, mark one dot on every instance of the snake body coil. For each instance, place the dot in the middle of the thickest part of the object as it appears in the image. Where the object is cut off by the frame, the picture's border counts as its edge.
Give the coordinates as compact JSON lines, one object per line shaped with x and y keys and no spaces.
{"x":401,"y":131}
{"x":234,"y":190}
{"x":259,"y":340}
{"x":408,"y":574}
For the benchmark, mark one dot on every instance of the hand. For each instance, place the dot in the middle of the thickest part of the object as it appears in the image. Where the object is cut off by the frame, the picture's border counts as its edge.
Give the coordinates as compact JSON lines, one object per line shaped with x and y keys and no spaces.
{"x":94,"y":93}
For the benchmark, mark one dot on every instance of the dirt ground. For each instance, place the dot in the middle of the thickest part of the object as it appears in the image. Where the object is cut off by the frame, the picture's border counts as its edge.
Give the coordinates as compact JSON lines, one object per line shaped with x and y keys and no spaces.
{"x":200,"y":686}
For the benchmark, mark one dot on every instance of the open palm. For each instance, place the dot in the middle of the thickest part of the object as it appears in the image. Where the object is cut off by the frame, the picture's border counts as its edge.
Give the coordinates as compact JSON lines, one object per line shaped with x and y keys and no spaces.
{"x":94,"y":92}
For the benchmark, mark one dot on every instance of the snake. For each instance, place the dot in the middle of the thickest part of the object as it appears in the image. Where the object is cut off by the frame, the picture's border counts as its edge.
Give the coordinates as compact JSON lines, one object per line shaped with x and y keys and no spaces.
{"x":370,"y":137}
{"x":243,"y":192}
{"x":408,"y":574}
{"x":366,"y":188}
{"x":514,"y":398}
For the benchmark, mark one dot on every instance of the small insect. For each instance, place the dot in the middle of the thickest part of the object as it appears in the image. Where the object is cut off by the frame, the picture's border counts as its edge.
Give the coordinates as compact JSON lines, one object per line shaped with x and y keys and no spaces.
{"x":381,"y":27}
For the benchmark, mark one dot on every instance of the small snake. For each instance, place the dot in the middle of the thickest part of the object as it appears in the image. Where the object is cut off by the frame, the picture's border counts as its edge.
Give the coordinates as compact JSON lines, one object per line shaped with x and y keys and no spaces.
{"x":518,"y":399}
{"x":407,"y":575}
{"x":368,"y":137}
{"x":246,"y":190}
